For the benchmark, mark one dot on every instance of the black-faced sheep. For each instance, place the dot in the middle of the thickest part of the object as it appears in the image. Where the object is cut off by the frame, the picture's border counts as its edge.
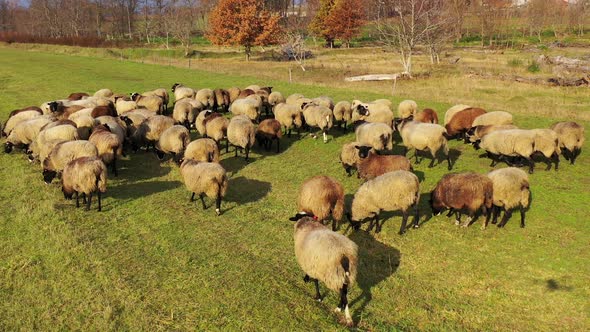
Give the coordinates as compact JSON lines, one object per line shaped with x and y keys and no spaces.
{"x":511,"y":190}
{"x":201,"y":118}
{"x":406,"y":109}
{"x":180,"y":92}
{"x":463,"y":192}
{"x":425,"y":136}
{"x":25,"y":133}
{"x":222,"y":100}
{"x":173,"y":140}
{"x":342,"y":114}
{"x":475,"y":134}
{"x":269,"y":130}
{"x":123,"y":106}
{"x":162,"y":93}
{"x":205,"y":179}
{"x":452,"y":111}
{"x":427,"y":115}
{"x":29,"y":108}
{"x":85,"y":176}
{"x":371,"y":165}
{"x":462,"y":121}
{"x":216,"y":129}
{"x":326,"y":256}
{"x":149,"y":132}
{"x":63,"y":153}
{"x":202,"y":149}
{"x":77,"y":95}
{"x":289,"y":116}
{"x":504,"y":145}
{"x":321,"y":197}
{"x":571,"y":138}
{"x":234,"y":93}
{"x":185,"y":112}
{"x":249,"y":107}
{"x":18,"y":118}
{"x":206,"y":97}
{"x":320,"y":117}
{"x":45,"y":141}
{"x":372,"y":112}
{"x":108,"y":145}
{"x":493,"y":118}
{"x":393,"y":191}
{"x":349,"y":156}
{"x":85,"y":123}
{"x":241,"y":133}
{"x":377,"y":135}
{"x":152,"y":103}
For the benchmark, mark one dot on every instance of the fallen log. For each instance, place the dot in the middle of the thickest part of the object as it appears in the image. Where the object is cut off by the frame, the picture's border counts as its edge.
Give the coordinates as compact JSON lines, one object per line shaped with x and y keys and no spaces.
{"x":376,"y":77}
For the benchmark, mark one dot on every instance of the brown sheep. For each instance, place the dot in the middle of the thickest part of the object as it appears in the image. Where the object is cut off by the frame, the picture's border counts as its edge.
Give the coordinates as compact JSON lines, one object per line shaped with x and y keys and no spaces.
{"x":322,"y":196}
{"x":427,"y":115}
{"x":463,"y":192}
{"x":268,"y":131}
{"x":221,"y":100}
{"x":371,"y":165}
{"x":30,"y":108}
{"x":84,"y":175}
{"x":234,"y":93}
{"x":216,"y":129}
{"x":152,"y":103}
{"x":103,"y":110}
{"x":77,"y":95}
{"x":109,"y":146}
{"x":245,"y":93}
{"x":462,"y":121}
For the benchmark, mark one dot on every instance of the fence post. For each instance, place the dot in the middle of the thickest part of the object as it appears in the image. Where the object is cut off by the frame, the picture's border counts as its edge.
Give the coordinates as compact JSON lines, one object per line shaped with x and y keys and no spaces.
{"x":290,"y":76}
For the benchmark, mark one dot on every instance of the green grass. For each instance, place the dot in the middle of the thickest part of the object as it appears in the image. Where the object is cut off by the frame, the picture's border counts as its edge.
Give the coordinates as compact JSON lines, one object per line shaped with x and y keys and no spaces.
{"x":152,"y":261}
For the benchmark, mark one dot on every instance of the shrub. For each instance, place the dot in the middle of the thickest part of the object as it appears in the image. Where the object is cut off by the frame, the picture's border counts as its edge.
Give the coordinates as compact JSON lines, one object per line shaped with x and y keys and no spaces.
{"x":534,"y":67}
{"x":515,"y":62}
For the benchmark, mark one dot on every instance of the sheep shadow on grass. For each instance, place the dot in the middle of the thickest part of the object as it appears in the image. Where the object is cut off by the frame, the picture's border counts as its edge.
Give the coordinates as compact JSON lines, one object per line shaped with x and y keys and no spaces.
{"x":141,"y":166}
{"x":242,"y":190}
{"x":134,"y":190}
{"x":377,"y":262}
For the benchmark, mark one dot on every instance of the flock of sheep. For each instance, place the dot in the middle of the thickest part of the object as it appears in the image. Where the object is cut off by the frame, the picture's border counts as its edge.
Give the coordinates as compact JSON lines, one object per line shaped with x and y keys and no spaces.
{"x":79,"y":136}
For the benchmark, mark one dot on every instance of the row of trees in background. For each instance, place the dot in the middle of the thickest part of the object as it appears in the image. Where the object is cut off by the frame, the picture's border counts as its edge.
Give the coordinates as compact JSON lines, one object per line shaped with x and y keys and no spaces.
{"x":403,"y":25}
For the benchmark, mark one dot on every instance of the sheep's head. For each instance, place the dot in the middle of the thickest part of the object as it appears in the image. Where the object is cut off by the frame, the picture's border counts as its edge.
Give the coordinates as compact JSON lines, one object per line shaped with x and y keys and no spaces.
{"x":436,"y":209}
{"x":363,"y":110}
{"x":53,"y":106}
{"x":174,"y":86}
{"x":48,"y":175}
{"x":303,"y":214}
{"x":8,"y":147}
{"x":135,"y":96}
{"x":363,"y":150}
{"x":67,"y":195}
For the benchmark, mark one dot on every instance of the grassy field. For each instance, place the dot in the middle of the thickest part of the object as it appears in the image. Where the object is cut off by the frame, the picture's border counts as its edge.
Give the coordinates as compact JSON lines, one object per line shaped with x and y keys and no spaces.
{"x":153,"y":261}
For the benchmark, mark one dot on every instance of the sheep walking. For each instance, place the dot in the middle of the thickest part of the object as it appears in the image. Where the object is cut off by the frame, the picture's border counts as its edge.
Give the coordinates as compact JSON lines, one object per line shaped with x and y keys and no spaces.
{"x":326,"y":256}
{"x":269,"y":130}
{"x":241,"y":133}
{"x":321,"y":197}
{"x":425,"y":136}
{"x":85,"y":176}
{"x":371,"y":165}
{"x":571,"y":138}
{"x":349,"y":157}
{"x":205,"y":179}
{"x":377,"y":135}
{"x":511,"y":190}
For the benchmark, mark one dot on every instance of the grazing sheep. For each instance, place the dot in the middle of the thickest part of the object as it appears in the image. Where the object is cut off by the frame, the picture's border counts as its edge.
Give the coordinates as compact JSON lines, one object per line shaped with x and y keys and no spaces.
{"x":123,"y":106}
{"x":25,"y":133}
{"x":245,"y":93}
{"x":149,"y":132}
{"x":45,"y":141}
{"x":371,"y":112}
{"x":61,"y":111}
{"x":321,"y":197}
{"x":84,"y":123}
{"x":547,"y":146}
{"x":161,"y":93}
{"x":200,"y":121}
{"x":349,"y":156}
{"x":263,"y":95}
{"x":425,"y":136}
{"x":407,"y":108}
{"x":452,"y":111}
{"x":205,"y":179}
{"x":501,"y":145}
{"x":222,"y":100}
{"x":371,"y":165}
{"x":342,"y":114}
{"x":115,"y":125}
{"x":216,"y":129}
{"x":77,"y":95}
{"x":476,"y":133}
{"x":324,"y":101}
{"x":152,"y":103}
{"x":397,"y":190}
{"x":206,"y":97}
{"x":326,"y":256}
{"x":320,"y":117}
{"x":108,"y":145}
{"x":511,"y":190}
{"x":202,"y":149}
{"x":185,"y":112}
{"x":385,"y":102}
{"x":377,"y":135}
{"x":493,"y":118}
{"x":292,"y":99}
{"x":180,"y":92}
{"x":18,"y":118}
{"x":269,"y":130}
{"x":463,"y":192}
{"x":173,"y":140}
{"x":427,"y":115}
{"x":103,"y":93}
{"x":571,"y":138}
{"x":99,"y":111}
{"x":29,"y":108}
{"x":289,"y":116}
{"x":276,"y":98}
{"x":234,"y":93}
{"x":85,"y":176}
{"x":462,"y":122}
{"x":241,"y":133}
{"x":63,"y":153}
{"x":253,"y":87}
{"x":248,"y":107}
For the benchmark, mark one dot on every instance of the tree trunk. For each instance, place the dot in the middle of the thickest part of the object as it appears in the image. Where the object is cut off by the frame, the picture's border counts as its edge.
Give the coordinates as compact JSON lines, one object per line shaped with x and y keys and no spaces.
{"x":248,"y":50}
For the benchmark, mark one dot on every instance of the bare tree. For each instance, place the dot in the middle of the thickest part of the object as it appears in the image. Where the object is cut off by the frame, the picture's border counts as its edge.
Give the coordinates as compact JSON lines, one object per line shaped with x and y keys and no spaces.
{"x":295,"y":48}
{"x":181,"y":18}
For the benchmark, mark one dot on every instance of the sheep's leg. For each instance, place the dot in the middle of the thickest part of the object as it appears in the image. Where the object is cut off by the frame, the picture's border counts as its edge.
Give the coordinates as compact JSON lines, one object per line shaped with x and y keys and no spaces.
{"x":99,"y":201}
{"x":496,"y":211}
{"x":432,"y":161}
{"x":488,"y":214}
{"x":77,"y":200}
{"x":218,"y":202}
{"x":288,"y":132}
{"x":334,"y":224}
{"x":417,"y":215}
{"x":531,"y":165}
{"x":522,"y":216}
{"x":449,"y":166}
{"x":555,"y":158}
{"x":575,"y":155}
{"x":416,"y":156}
{"x":377,"y":224}
{"x":318,"y":296}
{"x":192,"y":197}
{"x":227,"y":145}
{"x":343,"y":306}
{"x":114,"y":166}
{"x":278,"y":144}
{"x":402,"y":229}
{"x":83,"y":198}
{"x":567,"y":154}
{"x":202,"y":197}
{"x":457,"y":218}
{"x":247,"y":153}
{"x":469,"y":220}
{"x":89,"y":202}
{"x":451,"y":212}
{"x":507,"y":215}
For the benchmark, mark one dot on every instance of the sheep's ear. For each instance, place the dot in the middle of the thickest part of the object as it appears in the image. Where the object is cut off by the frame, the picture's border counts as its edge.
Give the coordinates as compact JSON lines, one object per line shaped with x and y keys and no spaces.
{"x":357,"y":147}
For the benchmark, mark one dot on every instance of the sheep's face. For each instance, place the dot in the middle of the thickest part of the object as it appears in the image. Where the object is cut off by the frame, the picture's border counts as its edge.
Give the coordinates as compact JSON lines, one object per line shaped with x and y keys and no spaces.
{"x":67,"y":195}
{"x":53,"y":106}
{"x":48,"y":175}
{"x":174,"y":86}
{"x":134,"y":96}
{"x":301,"y":215}
{"x":8,"y":147}
{"x":363,"y":150}
{"x":396,"y":123}
{"x":436,"y":209}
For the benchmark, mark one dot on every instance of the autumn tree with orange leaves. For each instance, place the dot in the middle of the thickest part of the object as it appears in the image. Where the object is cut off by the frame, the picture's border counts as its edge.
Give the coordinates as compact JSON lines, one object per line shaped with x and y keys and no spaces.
{"x":245,"y":23}
{"x":338,"y":19}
